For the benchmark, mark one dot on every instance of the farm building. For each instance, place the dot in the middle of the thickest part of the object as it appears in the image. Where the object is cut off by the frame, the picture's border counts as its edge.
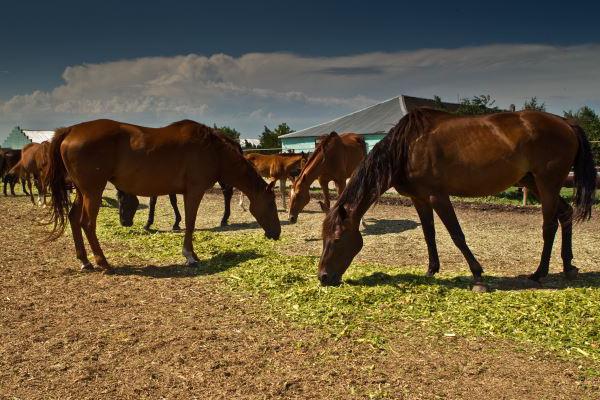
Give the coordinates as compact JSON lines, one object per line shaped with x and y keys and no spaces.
{"x":373,"y":122}
{"x":18,"y":138}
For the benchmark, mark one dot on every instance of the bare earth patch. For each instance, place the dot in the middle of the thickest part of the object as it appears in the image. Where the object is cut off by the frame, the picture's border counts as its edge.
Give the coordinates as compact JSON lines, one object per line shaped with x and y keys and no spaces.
{"x":159,"y":331}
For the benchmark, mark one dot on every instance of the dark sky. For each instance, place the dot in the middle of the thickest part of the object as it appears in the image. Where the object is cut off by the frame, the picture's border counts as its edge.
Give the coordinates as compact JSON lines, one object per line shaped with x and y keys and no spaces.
{"x":39,"y":39}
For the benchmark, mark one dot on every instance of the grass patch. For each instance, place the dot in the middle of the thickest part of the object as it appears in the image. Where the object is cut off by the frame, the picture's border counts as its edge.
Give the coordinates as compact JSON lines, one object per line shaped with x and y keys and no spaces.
{"x":563,"y":318}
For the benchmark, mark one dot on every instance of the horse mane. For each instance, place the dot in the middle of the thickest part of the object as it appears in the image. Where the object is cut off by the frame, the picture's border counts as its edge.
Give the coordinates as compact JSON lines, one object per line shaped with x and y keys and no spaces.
{"x":388,"y":161}
{"x":320,"y":148}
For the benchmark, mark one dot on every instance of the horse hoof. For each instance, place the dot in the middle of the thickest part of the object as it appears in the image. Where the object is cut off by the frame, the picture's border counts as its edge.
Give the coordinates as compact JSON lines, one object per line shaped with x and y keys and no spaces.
{"x":480,"y":287}
{"x":430,"y":274}
{"x":176,"y":228}
{"x":192,"y":264}
{"x":87,"y":267}
{"x":572,"y":273}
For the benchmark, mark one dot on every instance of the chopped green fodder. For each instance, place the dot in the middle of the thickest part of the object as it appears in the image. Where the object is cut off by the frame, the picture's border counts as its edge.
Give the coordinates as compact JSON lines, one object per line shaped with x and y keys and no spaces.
{"x":564,"y":318}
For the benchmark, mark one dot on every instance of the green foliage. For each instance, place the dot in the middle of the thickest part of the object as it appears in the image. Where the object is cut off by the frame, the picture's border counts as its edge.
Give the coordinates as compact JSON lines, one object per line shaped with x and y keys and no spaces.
{"x":231,"y":132}
{"x":367,"y":307}
{"x":439,"y":104}
{"x":477,"y":105}
{"x":534,"y":104}
{"x":247,"y":145}
{"x":269,"y":139}
{"x":590,"y":122}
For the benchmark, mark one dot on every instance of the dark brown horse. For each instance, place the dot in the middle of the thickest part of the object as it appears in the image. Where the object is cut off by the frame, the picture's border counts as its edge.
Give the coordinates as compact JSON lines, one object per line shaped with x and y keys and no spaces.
{"x":335,"y":159}
{"x":10,"y":158}
{"x":430,"y":155}
{"x":276,"y":167}
{"x":185,"y":157}
{"x":31,"y":165}
{"x":128,"y":205}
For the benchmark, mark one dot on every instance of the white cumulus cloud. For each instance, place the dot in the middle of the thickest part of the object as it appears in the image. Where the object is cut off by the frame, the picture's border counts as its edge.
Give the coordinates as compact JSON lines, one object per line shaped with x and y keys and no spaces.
{"x":255,"y":89}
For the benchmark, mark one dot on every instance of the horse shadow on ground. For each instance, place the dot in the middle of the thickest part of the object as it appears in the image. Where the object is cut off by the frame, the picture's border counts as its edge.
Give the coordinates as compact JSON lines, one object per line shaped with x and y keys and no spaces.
{"x":239,"y":226}
{"x":383,"y":226}
{"x":218,"y":263}
{"x":554,"y":281}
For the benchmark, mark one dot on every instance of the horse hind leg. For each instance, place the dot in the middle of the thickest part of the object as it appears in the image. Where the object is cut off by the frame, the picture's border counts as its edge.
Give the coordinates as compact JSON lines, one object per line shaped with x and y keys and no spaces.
{"x":91,"y":207}
{"x":565,"y":217}
{"x":549,"y":195}
{"x":75,"y":215}
{"x":173,"y":200}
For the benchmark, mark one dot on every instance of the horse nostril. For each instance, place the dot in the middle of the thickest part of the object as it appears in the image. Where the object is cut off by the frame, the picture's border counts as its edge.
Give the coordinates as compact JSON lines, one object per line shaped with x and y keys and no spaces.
{"x":323,"y":278}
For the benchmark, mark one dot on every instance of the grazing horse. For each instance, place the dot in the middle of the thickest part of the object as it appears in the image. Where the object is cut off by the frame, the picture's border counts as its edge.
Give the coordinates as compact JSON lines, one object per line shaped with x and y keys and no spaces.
{"x":34,"y":157}
{"x":10,"y":158}
{"x":430,"y":155}
{"x":129,"y":203}
{"x":276,"y":167}
{"x":185,"y":157}
{"x":335,"y":159}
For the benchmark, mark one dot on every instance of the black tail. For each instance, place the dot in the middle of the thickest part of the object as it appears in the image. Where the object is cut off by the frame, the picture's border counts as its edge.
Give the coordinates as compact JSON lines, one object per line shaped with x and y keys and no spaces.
{"x":585,"y":177}
{"x":54,"y":178}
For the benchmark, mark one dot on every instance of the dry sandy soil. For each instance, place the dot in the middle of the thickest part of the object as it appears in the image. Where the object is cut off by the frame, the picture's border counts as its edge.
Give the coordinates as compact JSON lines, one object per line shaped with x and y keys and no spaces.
{"x":67,"y":334}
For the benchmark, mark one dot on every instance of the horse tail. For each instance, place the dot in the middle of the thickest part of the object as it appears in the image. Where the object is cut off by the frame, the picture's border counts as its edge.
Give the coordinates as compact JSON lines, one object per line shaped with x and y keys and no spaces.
{"x":585,"y":177}
{"x":54,"y":177}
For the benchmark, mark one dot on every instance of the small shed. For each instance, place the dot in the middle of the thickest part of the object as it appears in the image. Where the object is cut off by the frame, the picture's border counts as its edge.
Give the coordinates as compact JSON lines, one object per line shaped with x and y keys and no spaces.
{"x":373,"y":122}
{"x":19,"y":138}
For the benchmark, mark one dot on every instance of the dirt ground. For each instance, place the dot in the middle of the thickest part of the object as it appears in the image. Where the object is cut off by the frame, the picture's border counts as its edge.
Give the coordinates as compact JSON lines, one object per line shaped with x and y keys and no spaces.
{"x":73,"y":335}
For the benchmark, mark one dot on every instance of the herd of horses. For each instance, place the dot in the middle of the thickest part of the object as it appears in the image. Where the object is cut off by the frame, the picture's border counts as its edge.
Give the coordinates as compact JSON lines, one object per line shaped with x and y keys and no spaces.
{"x":428,"y":156}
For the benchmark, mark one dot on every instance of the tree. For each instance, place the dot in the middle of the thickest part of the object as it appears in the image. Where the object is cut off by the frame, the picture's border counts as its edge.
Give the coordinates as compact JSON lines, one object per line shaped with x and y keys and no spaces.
{"x":229,"y":131}
{"x":269,"y":139}
{"x":590,"y":122}
{"x":247,"y":145}
{"x":534,"y":104}
{"x":477,"y":105}
{"x":439,"y":104}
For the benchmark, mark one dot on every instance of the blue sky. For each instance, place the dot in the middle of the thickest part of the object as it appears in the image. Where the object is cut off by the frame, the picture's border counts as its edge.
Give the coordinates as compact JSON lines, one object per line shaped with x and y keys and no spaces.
{"x":248,"y":64}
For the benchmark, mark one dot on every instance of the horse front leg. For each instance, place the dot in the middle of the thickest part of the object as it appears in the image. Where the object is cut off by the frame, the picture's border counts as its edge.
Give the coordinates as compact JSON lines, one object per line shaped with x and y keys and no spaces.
{"x":282,"y":190}
{"x":425,"y":212}
{"x":151,"y":209}
{"x":443,"y":208}
{"x":227,"y":195}
{"x":173,"y":200}
{"x":327,"y":201}
{"x":191,"y":202}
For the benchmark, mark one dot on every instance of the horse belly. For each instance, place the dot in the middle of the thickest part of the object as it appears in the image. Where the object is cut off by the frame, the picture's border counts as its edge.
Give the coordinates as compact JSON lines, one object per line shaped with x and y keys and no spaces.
{"x":483,"y":181}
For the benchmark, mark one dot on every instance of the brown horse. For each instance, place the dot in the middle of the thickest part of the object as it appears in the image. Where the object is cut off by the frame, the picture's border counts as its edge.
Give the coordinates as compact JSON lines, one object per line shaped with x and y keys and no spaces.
{"x":276,"y":167}
{"x":32,"y":164}
{"x":128,"y":203}
{"x":430,"y":155}
{"x":185,"y":157}
{"x":10,"y":158}
{"x":335,"y":159}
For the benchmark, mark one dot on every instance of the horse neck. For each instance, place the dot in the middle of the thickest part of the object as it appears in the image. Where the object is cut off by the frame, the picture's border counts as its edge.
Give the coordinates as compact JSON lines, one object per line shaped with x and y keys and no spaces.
{"x":311,"y":172}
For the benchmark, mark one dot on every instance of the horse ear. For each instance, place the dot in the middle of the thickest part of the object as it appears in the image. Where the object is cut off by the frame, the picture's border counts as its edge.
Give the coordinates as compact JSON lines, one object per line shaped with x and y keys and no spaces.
{"x":271,"y":185}
{"x":333,"y":134}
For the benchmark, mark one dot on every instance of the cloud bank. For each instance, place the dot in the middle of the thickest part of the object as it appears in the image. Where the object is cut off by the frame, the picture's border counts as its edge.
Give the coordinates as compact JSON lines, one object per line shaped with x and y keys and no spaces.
{"x":259,"y":89}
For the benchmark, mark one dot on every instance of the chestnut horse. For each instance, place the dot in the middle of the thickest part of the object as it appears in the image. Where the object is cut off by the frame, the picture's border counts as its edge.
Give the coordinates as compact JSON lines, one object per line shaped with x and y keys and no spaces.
{"x":185,"y":157}
{"x":276,"y":167}
{"x":430,"y":155}
{"x":32,"y":164}
{"x":335,"y":159}
{"x":129,"y":203}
